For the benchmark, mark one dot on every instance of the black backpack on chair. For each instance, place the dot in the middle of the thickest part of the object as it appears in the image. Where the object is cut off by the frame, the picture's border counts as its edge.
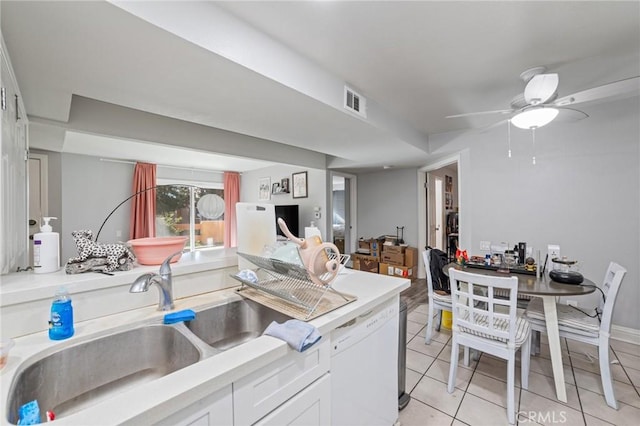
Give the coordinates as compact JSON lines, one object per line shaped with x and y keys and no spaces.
{"x":437,"y":260}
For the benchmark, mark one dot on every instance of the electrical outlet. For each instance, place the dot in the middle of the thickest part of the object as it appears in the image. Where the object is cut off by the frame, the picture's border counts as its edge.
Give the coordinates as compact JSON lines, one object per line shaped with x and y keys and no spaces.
{"x":573,"y":303}
{"x":553,"y":250}
{"x":485,"y":245}
{"x":118,"y":234}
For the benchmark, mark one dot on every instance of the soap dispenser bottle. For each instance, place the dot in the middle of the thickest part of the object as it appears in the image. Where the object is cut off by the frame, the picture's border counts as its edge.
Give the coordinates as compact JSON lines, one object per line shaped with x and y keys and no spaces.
{"x":46,"y":249}
{"x":61,"y":320}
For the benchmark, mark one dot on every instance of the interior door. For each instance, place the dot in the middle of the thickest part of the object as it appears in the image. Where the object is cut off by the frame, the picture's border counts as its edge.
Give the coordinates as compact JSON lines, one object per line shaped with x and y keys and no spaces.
{"x":340,"y":215}
{"x":439,"y":213}
{"x":435,"y":211}
{"x":431,"y":216}
{"x":38,"y":202}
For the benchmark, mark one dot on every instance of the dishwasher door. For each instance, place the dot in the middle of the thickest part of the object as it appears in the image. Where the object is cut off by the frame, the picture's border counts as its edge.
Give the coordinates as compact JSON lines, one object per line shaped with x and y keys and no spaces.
{"x":364,"y":369}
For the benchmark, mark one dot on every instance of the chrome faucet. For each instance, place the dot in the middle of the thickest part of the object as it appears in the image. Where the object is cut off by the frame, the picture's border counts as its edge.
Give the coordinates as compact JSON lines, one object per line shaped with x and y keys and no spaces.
{"x":162,"y":280}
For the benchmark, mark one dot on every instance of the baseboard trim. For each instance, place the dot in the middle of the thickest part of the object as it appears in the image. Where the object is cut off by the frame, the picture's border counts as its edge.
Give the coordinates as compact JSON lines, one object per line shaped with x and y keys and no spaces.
{"x":625,"y":334}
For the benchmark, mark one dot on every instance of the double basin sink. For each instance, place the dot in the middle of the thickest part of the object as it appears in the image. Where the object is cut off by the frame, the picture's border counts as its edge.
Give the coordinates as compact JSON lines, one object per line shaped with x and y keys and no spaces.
{"x":75,"y":377}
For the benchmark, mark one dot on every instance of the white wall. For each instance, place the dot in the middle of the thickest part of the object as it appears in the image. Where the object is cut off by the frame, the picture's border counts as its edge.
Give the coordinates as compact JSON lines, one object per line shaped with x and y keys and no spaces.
{"x":387,"y":199}
{"x":583,"y":193}
{"x":90,"y":190}
{"x":317,"y":190}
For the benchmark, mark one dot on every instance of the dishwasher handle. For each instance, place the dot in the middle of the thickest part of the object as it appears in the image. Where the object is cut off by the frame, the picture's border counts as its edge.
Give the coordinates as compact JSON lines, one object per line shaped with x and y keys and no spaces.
{"x":353,"y":321}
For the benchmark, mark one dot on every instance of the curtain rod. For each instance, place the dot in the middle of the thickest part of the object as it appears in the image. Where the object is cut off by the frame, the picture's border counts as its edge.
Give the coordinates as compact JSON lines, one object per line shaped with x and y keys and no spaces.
{"x":111,"y":160}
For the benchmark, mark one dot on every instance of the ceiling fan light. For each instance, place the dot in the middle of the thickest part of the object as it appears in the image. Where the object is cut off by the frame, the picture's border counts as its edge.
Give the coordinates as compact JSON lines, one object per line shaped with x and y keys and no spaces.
{"x":534,"y":118}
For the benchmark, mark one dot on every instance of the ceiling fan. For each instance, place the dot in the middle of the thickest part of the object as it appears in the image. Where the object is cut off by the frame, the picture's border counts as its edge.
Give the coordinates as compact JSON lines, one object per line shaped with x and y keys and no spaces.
{"x":539,"y":105}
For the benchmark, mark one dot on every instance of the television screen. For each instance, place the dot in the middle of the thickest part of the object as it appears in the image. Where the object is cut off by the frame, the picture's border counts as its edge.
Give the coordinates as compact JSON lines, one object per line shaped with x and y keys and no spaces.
{"x":290,"y":215}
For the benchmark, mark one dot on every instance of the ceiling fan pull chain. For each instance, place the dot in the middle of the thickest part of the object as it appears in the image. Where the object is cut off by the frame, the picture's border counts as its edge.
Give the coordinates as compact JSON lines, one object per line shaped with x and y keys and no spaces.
{"x":533,"y":137}
{"x":509,"y":135}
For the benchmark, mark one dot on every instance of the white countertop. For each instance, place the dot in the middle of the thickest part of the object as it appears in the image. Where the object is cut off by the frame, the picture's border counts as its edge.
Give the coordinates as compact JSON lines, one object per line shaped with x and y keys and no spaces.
{"x":202,"y":378}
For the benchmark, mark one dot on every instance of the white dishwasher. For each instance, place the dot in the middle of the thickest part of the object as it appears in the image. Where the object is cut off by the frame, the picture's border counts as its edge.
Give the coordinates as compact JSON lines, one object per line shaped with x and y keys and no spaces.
{"x":364,"y":368}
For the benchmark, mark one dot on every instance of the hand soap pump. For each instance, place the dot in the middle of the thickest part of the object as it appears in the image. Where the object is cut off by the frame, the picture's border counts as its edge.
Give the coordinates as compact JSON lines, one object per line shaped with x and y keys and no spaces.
{"x":61,"y":320}
{"x":46,"y":249}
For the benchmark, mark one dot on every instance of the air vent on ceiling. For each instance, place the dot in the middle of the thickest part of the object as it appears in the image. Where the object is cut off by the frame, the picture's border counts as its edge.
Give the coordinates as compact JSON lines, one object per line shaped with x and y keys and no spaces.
{"x":354,"y":102}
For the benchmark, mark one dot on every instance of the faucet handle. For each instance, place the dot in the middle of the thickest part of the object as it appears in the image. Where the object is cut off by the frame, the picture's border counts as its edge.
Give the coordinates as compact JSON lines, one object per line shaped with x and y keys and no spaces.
{"x":165,"y":269}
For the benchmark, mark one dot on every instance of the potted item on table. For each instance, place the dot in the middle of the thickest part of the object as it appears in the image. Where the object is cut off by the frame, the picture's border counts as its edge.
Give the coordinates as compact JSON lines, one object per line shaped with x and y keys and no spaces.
{"x":461,"y":257}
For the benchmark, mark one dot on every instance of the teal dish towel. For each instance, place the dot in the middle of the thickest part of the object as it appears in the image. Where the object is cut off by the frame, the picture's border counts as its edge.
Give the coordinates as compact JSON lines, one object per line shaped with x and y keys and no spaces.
{"x":298,"y":334}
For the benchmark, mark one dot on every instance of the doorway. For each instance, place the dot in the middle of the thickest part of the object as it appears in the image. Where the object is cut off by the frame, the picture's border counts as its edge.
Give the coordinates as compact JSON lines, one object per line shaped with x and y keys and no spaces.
{"x":438,"y":206}
{"x":343,"y":214}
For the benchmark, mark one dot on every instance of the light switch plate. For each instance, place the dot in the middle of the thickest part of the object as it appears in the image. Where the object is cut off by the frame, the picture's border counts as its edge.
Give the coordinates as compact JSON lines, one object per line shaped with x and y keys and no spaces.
{"x":553,"y":250}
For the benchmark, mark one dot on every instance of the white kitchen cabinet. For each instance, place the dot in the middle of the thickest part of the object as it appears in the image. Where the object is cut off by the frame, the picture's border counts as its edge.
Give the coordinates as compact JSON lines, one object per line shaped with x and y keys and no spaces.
{"x":13,"y":172}
{"x":213,"y":410}
{"x":262,"y":391}
{"x":311,"y":407}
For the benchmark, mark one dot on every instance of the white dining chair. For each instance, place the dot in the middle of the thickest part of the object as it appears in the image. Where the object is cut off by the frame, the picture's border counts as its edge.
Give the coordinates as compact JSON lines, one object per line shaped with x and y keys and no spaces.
{"x":437,"y":302}
{"x":577,"y":325}
{"x":490,"y":324}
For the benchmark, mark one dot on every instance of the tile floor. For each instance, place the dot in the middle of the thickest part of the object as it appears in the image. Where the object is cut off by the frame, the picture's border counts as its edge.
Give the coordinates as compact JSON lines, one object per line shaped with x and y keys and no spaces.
{"x":480,"y":391}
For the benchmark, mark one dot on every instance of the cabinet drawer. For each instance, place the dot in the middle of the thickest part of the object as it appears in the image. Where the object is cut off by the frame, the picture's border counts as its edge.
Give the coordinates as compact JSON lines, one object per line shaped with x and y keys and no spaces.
{"x":311,"y":407}
{"x":265,"y":389}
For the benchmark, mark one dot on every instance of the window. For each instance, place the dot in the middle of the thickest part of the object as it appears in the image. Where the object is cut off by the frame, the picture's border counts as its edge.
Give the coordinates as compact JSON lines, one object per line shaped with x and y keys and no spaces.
{"x":195,"y":211}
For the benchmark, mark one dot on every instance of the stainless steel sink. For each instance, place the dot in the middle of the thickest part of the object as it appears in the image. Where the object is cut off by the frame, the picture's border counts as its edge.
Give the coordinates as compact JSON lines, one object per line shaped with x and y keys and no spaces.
{"x":225,"y":326}
{"x":72,"y":378}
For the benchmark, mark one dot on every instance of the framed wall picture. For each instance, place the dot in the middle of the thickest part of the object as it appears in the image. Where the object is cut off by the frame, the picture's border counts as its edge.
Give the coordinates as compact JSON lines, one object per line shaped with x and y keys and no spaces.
{"x":284,"y":185}
{"x":299,"y":184}
{"x":275,"y":188}
{"x":448,"y":185}
{"x":264,"y":189}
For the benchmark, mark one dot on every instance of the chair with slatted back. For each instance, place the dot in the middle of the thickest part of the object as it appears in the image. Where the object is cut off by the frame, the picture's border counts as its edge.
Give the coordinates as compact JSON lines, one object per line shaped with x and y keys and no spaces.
{"x":437,"y":302}
{"x":577,"y":325}
{"x":489,"y":323}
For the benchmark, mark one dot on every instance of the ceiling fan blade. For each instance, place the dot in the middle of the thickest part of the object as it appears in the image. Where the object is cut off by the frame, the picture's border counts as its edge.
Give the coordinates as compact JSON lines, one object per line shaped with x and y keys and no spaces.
{"x":541,"y":88}
{"x":569,"y":115}
{"x":622,"y":88}
{"x":468,"y":114}
{"x":492,"y":126}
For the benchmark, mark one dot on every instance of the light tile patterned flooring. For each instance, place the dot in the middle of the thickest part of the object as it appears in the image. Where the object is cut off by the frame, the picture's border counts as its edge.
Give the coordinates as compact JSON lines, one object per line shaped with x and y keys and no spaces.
{"x":479,"y":397}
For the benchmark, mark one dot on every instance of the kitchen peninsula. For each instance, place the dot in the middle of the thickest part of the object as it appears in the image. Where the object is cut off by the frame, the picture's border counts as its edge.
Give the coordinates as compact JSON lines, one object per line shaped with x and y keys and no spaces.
{"x":220,"y":389}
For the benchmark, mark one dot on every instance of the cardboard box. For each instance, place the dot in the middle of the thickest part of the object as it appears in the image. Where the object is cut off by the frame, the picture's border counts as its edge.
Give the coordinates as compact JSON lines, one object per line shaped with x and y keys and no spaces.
{"x":393,"y":249}
{"x":389,"y":239}
{"x":396,"y":271}
{"x":365,"y":263}
{"x":369,"y":246}
{"x":411,"y":256}
{"x":363,"y":244}
{"x":393,"y":258}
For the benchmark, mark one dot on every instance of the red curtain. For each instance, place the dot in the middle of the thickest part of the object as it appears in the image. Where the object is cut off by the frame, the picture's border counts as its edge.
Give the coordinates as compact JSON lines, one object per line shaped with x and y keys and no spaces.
{"x":143,"y":205}
{"x":231,"y":197}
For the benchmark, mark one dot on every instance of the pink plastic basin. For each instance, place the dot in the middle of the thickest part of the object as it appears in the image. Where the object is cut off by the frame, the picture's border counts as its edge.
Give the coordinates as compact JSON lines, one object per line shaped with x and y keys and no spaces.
{"x":154,"y":250}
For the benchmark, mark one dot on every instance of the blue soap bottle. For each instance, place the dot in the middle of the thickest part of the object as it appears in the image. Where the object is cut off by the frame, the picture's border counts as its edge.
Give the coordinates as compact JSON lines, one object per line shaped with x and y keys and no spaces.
{"x":61,"y":320}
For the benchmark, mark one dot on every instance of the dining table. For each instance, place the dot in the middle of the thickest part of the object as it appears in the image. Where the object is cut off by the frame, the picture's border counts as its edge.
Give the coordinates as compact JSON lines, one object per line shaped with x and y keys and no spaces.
{"x":548,"y":290}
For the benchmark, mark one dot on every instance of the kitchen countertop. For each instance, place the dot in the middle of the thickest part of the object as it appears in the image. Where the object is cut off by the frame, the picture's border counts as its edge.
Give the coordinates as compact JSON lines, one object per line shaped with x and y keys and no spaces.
{"x":153,"y":401}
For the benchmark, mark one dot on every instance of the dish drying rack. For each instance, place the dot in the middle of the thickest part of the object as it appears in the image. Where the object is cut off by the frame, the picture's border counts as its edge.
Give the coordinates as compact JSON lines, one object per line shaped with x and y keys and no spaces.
{"x":294,"y":292}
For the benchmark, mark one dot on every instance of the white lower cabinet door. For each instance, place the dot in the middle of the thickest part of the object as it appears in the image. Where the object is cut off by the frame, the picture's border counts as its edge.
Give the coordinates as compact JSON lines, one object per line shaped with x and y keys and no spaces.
{"x":311,"y":407}
{"x":213,"y":410}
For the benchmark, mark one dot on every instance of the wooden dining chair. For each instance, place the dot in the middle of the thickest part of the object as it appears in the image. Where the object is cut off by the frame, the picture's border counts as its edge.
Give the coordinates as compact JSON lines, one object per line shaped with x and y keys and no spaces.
{"x":489,"y":323}
{"x":437,"y":302}
{"x":577,"y":325}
